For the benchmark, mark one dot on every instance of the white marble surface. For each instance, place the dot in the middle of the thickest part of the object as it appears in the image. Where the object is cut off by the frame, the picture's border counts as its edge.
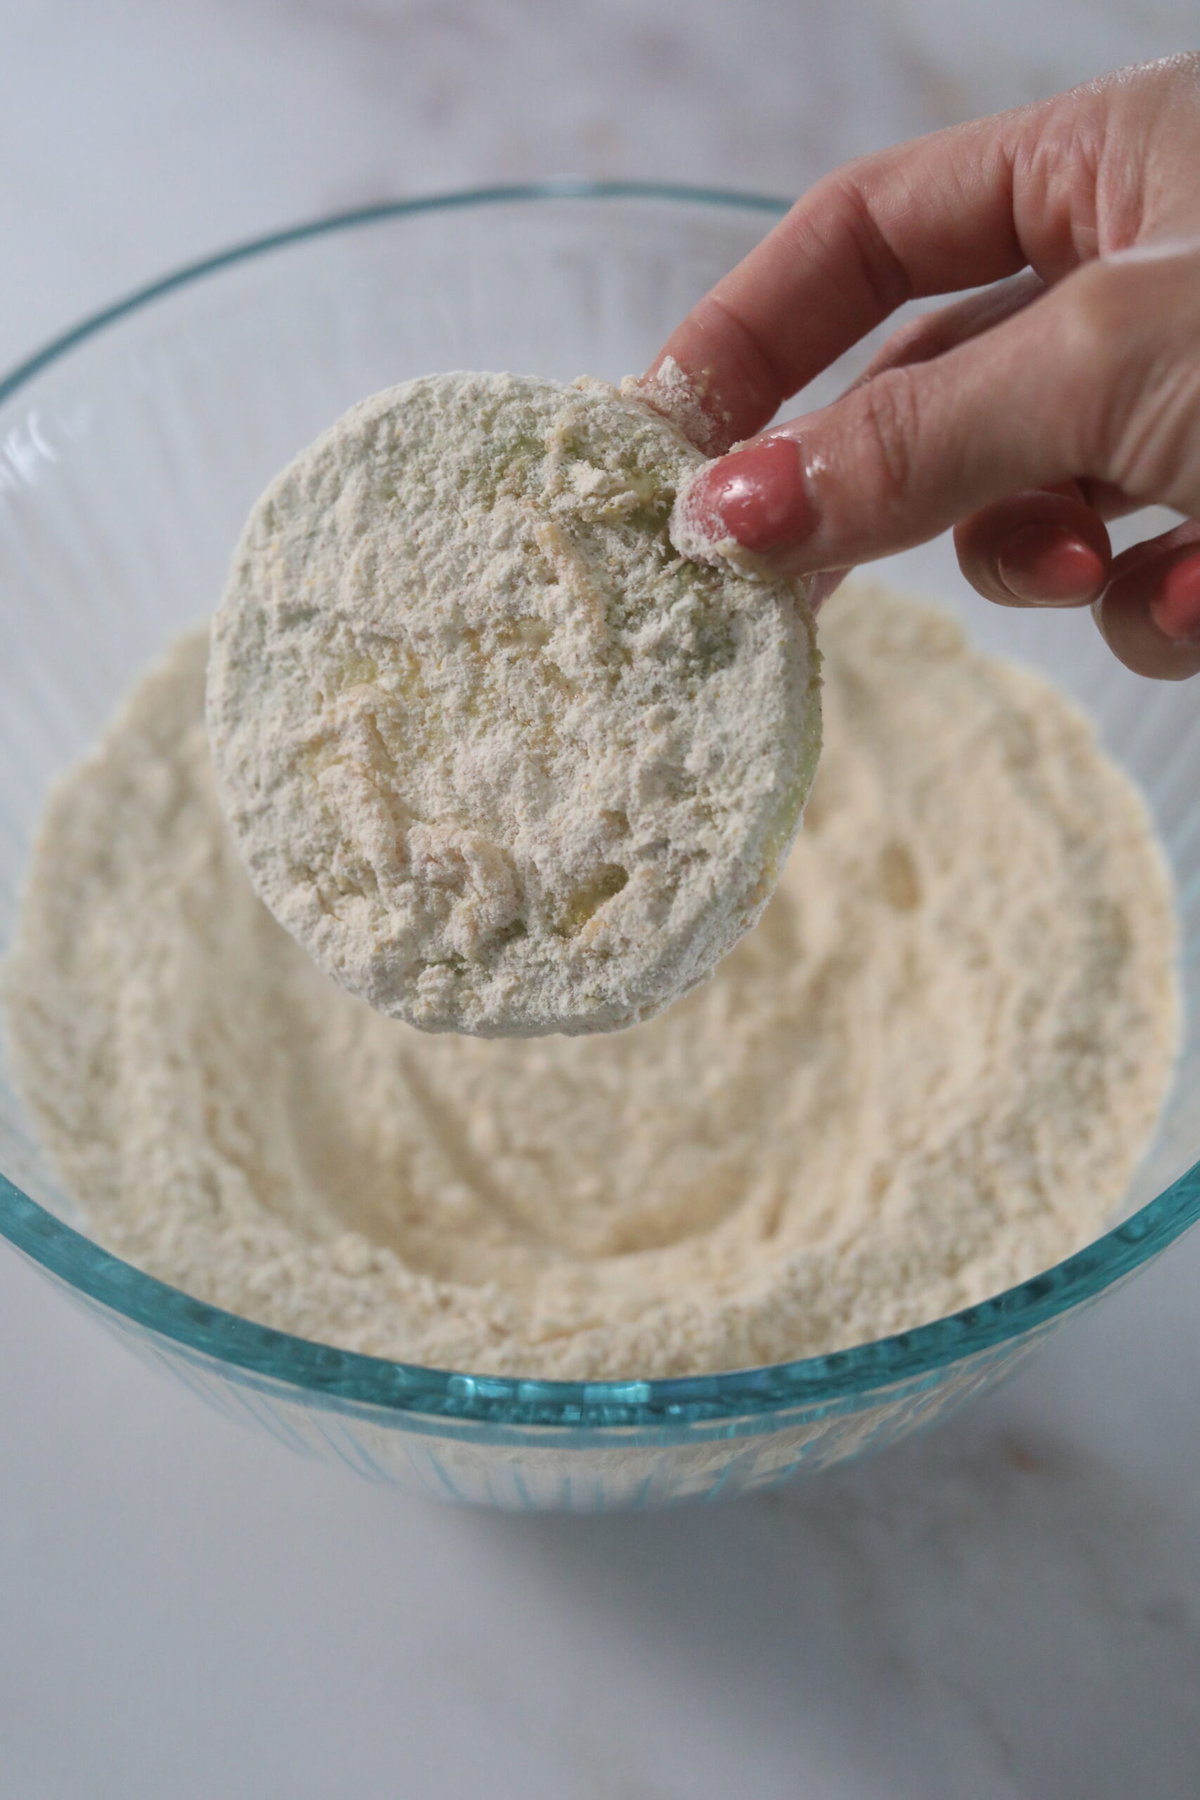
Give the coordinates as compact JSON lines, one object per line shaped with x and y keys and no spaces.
{"x":1010,"y":1608}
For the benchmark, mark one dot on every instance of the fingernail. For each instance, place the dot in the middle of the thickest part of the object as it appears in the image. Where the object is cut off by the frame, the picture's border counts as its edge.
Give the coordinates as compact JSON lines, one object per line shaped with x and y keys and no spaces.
{"x":823,"y":585}
{"x":755,"y":496}
{"x":1045,"y":565}
{"x":1175,"y":609}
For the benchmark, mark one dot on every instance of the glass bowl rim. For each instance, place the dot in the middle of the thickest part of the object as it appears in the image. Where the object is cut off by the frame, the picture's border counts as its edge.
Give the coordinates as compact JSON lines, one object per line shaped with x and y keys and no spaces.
{"x":333,"y":1376}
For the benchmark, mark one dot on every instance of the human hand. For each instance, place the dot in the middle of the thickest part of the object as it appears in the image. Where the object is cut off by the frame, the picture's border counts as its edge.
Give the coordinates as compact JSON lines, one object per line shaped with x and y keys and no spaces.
{"x":1024,"y":416}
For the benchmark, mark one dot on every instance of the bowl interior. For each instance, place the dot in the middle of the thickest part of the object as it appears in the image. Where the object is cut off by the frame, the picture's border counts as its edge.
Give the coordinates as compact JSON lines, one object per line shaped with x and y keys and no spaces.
{"x":130,"y":456}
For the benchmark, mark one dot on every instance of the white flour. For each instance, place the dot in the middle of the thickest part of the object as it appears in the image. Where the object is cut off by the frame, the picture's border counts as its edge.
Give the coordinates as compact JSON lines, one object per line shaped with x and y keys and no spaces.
{"x":926,"y":1074}
{"x":678,"y":398}
{"x":498,"y":756}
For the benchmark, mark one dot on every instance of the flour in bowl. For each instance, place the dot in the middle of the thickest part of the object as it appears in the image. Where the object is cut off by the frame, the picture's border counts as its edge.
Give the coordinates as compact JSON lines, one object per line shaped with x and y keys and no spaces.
{"x":500,"y":757}
{"x":927,"y":1073}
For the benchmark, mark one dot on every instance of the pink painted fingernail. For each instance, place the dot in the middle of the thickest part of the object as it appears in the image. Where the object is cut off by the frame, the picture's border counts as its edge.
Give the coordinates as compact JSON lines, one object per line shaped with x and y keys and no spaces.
{"x":1045,"y":565}
{"x":755,"y":496}
{"x":1175,"y":609}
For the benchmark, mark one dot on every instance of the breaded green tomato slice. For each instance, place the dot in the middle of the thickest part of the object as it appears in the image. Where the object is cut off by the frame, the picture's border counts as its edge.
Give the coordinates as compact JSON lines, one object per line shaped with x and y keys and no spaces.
{"x":499,"y":757}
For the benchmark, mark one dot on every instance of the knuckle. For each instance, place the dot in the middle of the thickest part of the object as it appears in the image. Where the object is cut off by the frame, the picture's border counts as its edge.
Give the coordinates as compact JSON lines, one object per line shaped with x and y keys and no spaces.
{"x":888,"y":432}
{"x":1099,"y":309}
{"x":1132,"y":345}
{"x":842,"y":213}
{"x":911,"y":342}
{"x":1104,"y":302}
{"x":1156,"y":450}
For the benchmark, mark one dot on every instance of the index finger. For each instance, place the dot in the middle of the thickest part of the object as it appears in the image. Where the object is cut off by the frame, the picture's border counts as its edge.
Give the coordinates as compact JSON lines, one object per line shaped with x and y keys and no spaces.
{"x":955,"y":209}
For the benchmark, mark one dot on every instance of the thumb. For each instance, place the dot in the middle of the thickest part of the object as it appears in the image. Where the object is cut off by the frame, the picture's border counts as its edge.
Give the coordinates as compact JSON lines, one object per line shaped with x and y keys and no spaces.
{"x":1077,"y":384}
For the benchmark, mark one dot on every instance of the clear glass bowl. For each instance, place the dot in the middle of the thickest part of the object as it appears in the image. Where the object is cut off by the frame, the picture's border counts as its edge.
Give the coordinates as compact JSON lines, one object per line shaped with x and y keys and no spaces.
{"x":130,"y":451}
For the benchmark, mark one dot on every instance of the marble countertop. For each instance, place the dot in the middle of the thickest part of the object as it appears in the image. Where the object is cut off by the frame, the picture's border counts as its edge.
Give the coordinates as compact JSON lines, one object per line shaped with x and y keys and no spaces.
{"x":1006,"y":1610}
